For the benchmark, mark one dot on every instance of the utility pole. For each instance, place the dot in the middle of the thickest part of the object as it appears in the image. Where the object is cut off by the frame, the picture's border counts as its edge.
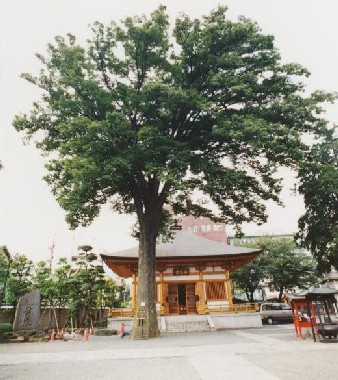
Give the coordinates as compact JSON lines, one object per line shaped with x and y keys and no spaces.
{"x":51,"y":256}
{"x":50,"y":260}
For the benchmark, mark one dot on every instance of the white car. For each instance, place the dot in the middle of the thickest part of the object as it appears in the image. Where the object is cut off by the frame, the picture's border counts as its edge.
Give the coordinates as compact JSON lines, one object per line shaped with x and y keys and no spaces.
{"x":272,"y":311}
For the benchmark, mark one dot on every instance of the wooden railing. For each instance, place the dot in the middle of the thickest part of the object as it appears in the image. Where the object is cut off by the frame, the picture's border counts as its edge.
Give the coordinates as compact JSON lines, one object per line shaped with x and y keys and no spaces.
{"x":236,"y":308}
{"x":210,"y":309}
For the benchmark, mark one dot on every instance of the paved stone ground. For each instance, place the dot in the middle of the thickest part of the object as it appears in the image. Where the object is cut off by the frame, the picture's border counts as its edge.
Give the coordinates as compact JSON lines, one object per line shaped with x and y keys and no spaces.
{"x":272,"y":352}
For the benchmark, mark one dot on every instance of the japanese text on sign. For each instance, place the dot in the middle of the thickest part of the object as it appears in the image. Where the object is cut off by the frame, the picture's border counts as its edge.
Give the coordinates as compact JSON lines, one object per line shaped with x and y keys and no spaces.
{"x":181,"y":271}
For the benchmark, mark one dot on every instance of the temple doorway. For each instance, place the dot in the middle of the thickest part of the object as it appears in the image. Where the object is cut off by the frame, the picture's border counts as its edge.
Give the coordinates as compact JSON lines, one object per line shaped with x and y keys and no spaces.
{"x":181,"y":298}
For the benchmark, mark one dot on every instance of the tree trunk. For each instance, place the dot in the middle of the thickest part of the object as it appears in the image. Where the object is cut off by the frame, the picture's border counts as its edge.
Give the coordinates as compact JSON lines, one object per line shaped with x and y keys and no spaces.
{"x":249,"y":294}
{"x":281,"y":291}
{"x":145,"y":322}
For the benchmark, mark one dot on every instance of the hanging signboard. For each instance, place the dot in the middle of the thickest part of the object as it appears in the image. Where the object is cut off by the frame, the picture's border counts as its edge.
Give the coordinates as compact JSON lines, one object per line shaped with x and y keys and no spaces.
{"x":181,"y":271}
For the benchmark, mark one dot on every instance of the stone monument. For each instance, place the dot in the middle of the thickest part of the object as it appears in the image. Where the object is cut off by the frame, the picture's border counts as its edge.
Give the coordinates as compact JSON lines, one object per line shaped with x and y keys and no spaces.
{"x":27,"y":314}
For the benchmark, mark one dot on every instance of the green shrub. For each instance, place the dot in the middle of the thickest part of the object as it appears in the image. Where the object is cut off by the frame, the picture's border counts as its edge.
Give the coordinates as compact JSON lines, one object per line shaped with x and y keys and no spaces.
{"x":6,"y":332}
{"x":5,"y":327}
{"x":9,"y":335}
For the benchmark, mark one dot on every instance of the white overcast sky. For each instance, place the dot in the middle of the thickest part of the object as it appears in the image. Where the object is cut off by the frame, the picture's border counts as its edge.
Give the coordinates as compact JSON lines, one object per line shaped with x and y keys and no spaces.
{"x":305,"y":32}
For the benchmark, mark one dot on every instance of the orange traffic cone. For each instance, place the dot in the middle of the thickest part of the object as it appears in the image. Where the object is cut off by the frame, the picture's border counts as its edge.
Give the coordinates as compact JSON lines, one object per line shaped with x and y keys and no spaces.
{"x":61,"y":334}
{"x":85,"y":335}
{"x":52,"y":336}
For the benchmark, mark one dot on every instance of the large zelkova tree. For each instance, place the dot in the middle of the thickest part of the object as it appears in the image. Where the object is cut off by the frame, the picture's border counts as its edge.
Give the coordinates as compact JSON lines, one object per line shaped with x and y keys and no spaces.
{"x":144,"y":114}
{"x":318,"y":227}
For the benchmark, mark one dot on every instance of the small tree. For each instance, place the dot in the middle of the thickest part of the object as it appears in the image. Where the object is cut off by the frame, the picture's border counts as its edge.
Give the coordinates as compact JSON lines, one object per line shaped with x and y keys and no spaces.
{"x":249,"y":277}
{"x":43,"y":280}
{"x":5,"y":263}
{"x":287,"y":267}
{"x":281,"y":262}
{"x":63,"y":280}
{"x":86,"y":283}
{"x":107,"y":294}
{"x":20,"y":279}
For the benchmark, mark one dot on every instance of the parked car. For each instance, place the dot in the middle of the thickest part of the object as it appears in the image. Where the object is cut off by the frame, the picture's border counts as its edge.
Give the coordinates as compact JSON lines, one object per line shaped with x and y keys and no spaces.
{"x":272,"y":311}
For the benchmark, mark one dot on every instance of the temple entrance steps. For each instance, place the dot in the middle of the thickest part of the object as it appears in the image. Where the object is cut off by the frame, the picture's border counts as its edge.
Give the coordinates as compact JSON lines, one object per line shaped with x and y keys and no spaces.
{"x":185,"y":323}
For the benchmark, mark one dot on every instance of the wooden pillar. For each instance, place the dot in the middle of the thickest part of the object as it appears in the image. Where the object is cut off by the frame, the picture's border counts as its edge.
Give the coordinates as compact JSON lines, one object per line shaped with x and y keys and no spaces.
{"x":228,"y":288}
{"x":165,"y":304}
{"x":201,"y":305}
{"x":133,"y":293}
{"x":161,"y":293}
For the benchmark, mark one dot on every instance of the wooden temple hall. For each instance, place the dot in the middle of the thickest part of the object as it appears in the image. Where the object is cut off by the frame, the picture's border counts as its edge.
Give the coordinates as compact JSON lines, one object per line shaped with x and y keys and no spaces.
{"x":192,"y":273}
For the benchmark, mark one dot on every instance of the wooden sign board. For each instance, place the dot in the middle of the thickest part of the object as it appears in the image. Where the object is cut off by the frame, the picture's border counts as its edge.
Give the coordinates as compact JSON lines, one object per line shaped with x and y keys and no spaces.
{"x":181,"y":271}
{"x":141,"y":314}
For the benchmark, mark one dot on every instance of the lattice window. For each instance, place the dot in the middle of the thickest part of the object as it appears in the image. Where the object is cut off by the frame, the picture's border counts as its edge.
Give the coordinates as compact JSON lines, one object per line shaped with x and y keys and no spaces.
{"x":215,"y":290}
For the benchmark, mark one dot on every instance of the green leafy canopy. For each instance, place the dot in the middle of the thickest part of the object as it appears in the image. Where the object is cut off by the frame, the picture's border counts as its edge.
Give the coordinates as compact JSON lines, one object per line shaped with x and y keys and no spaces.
{"x":142,"y":116}
{"x":318,"y":227}
{"x":282,"y":264}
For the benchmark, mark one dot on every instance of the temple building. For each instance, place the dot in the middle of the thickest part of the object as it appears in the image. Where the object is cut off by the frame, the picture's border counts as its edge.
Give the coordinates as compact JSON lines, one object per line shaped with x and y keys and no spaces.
{"x":192,"y":273}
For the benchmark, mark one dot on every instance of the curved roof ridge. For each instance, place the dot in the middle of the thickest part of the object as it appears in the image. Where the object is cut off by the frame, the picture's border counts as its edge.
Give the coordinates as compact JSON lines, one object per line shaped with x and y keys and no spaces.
{"x":187,"y":244}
